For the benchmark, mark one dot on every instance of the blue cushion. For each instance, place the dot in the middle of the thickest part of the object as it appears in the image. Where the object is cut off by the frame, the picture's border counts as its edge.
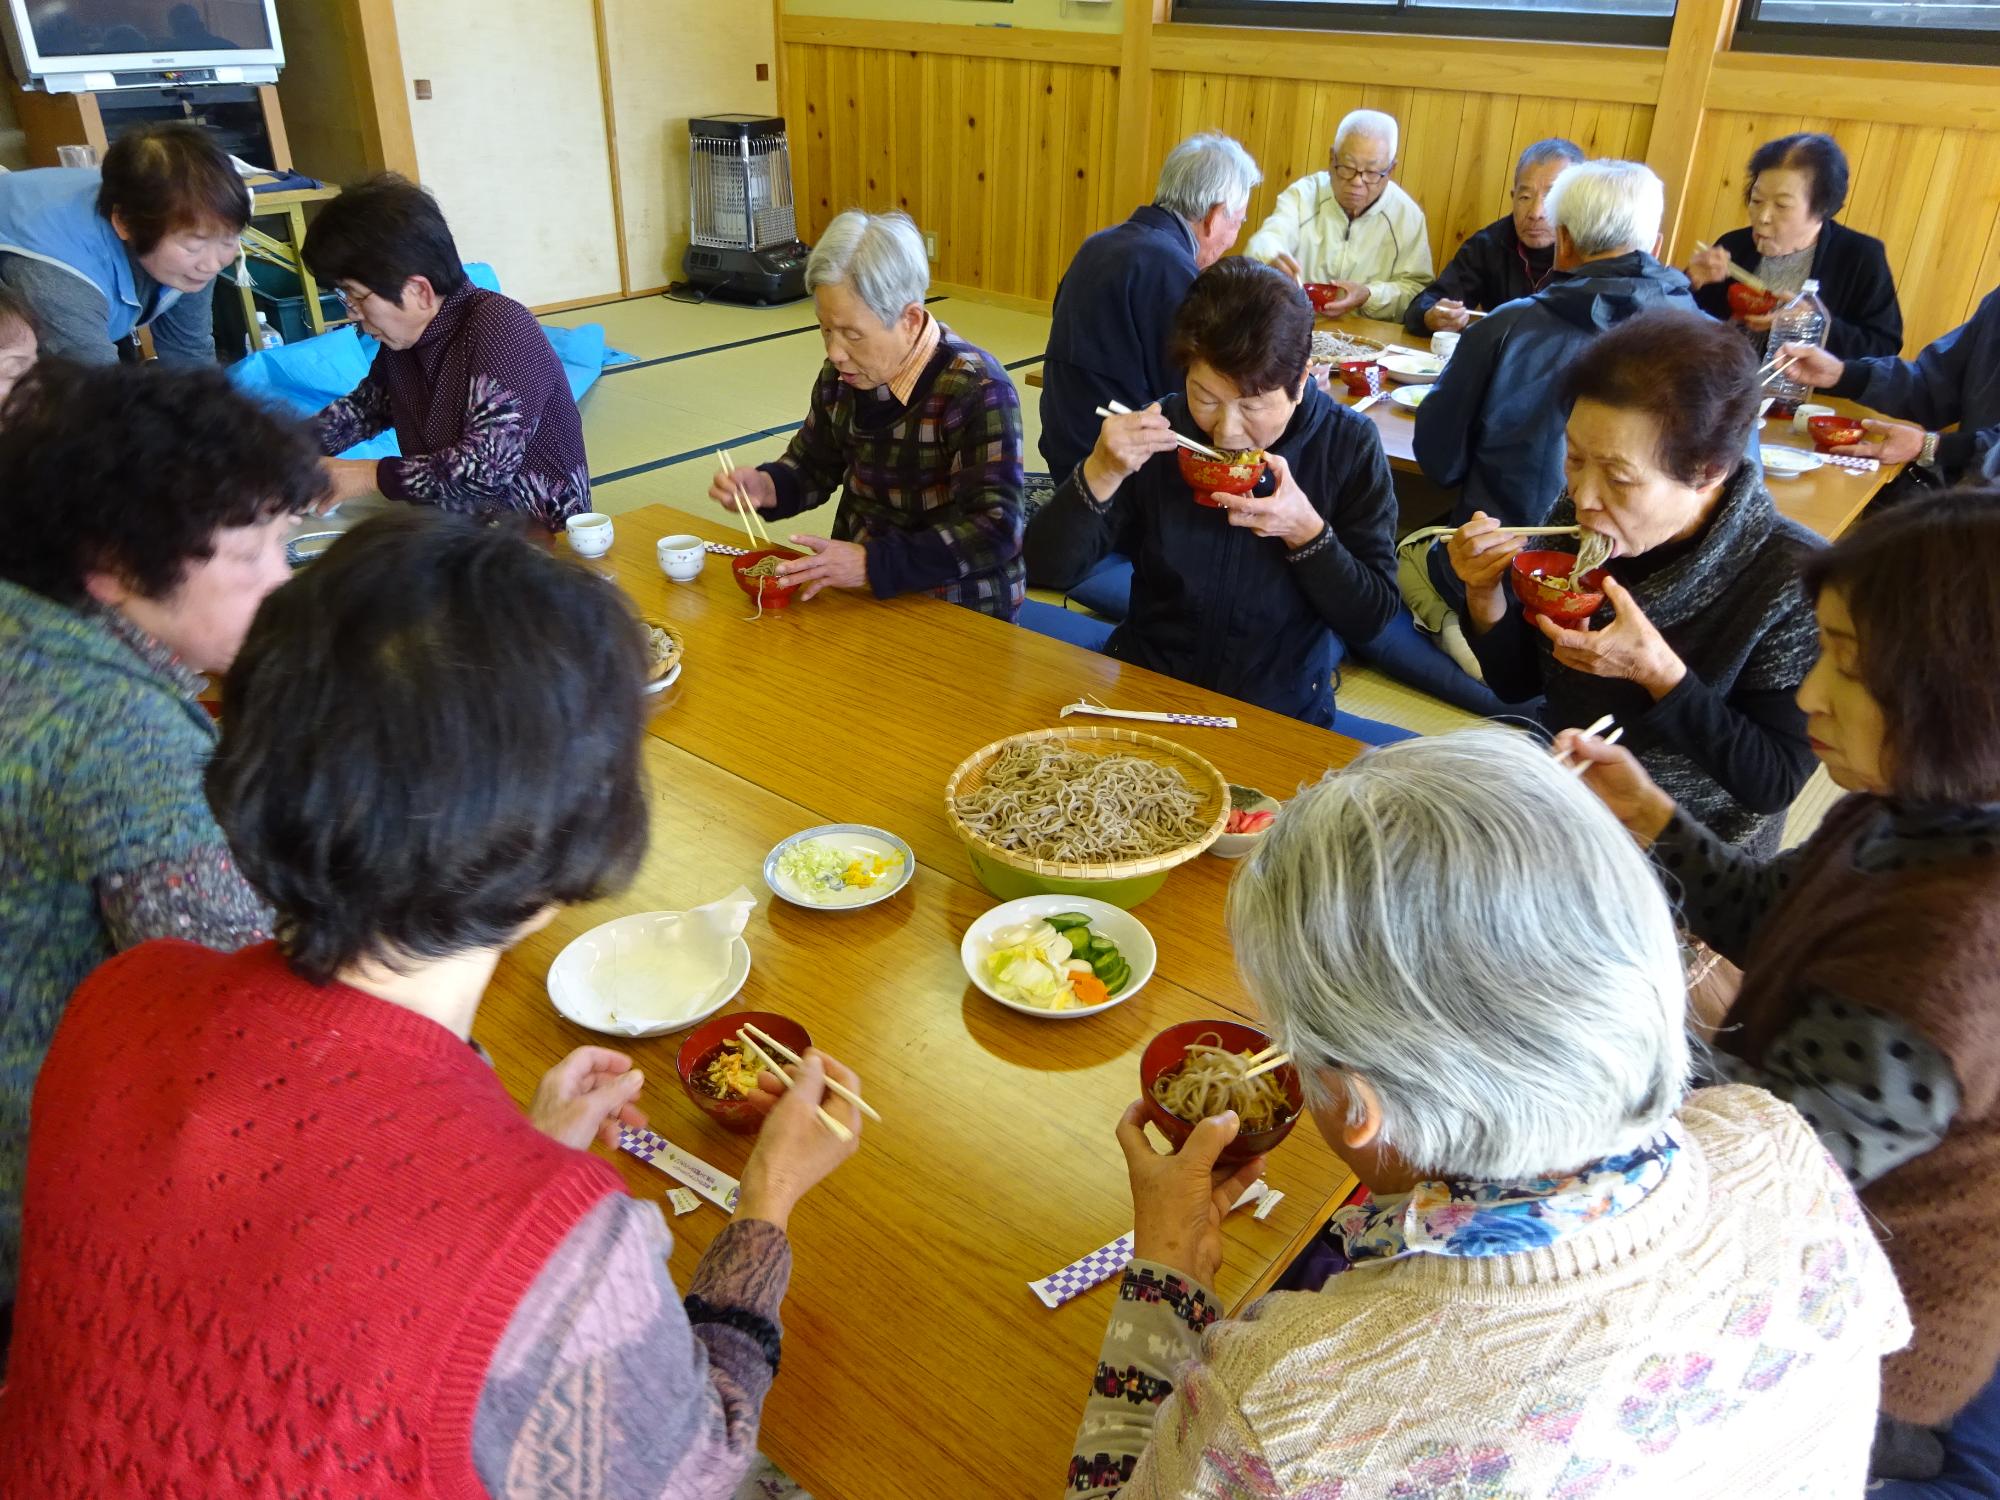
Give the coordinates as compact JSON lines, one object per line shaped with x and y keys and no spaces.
{"x":1066,"y":625}
{"x":1108,"y":589}
{"x":1971,"y":1458}
{"x":1369,"y":731}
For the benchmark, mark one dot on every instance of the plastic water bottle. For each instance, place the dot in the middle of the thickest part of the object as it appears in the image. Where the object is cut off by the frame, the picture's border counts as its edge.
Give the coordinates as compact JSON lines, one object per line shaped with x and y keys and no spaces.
{"x":267,"y":336}
{"x":1802,"y":320}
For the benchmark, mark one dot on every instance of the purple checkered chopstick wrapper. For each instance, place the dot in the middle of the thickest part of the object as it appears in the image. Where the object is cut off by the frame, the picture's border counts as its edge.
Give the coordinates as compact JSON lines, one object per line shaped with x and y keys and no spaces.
{"x":721,"y":551}
{"x":1201,"y":721}
{"x":1854,"y":463}
{"x":1079,"y":1276}
{"x":717,"y":1187}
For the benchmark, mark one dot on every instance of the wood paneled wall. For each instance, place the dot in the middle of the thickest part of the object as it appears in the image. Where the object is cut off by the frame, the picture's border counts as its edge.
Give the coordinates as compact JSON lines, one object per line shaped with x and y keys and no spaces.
{"x":1008,"y":145}
{"x":1008,"y":161}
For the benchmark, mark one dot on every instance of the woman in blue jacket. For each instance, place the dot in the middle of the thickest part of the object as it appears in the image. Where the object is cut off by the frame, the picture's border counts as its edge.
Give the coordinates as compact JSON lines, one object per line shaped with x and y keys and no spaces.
{"x":98,"y":254}
{"x":1254,"y":598}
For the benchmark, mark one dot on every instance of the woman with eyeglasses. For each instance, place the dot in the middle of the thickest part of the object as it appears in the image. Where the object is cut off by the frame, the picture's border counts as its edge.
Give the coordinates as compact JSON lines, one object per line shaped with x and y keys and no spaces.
{"x":466,"y":377}
{"x":99,"y":254}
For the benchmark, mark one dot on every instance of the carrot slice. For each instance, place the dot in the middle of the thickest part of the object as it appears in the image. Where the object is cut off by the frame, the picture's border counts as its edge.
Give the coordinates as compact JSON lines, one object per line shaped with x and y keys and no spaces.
{"x":1088,"y":989}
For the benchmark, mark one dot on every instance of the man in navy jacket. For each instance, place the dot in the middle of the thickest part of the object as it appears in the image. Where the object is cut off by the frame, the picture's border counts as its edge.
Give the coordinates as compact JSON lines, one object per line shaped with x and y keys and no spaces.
{"x":1116,"y":305}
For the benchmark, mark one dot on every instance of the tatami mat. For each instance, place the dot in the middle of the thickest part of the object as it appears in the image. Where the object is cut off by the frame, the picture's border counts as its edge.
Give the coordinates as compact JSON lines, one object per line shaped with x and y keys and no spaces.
{"x":723,"y":381}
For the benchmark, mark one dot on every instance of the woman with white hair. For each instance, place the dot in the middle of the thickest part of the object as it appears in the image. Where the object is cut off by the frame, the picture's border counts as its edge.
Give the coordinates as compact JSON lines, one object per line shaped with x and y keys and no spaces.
{"x":1352,"y":226}
{"x":1572,"y":1277}
{"x":920,"y":429}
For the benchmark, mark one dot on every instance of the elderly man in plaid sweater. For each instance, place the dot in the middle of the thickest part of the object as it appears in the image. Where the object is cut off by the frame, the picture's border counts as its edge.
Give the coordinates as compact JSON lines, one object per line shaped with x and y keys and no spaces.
{"x":921,"y":428}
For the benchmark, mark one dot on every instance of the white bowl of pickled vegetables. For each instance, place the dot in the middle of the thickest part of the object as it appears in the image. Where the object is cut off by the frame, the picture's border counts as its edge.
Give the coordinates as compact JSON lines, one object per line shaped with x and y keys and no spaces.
{"x":1059,"y":957}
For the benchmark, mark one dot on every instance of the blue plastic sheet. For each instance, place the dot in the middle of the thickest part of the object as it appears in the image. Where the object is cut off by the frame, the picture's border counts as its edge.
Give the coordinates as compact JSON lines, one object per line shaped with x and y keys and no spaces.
{"x":305,"y":377}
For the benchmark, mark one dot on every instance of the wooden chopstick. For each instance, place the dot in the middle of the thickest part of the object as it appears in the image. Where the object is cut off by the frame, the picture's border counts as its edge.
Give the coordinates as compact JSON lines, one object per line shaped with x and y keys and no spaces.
{"x":1430,"y":533}
{"x":1737,"y":273}
{"x":832,"y":1086}
{"x":1603,"y":723}
{"x":753,"y":523}
{"x":1269,"y":1065}
{"x":1766,"y":379}
{"x":1579,"y":767}
{"x":764,"y":1058}
{"x":1119,"y":409}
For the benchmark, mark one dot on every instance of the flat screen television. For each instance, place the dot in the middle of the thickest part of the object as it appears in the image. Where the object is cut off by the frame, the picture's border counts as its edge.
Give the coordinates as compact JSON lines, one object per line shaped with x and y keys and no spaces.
{"x":73,"y":46}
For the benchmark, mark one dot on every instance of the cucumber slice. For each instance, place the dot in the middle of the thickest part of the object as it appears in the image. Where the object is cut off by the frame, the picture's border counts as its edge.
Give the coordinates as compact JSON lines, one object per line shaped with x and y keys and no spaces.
{"x":1066,"y":921}
{"x":1103,"y":964}
{"x":1119,"y":977}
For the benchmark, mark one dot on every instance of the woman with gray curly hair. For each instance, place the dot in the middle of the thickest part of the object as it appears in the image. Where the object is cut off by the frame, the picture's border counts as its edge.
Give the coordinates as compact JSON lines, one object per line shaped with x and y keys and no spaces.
{"x":1572,"y":1277}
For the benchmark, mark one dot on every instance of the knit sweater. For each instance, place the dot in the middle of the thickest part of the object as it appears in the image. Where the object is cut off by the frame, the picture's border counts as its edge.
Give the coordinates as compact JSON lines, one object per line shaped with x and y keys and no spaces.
{"x":1728,"y":743}
{"x":931,"y":487}
{"x":482,"y":411}
{"x":289,"y":1274}
{"x":106,"y":839}
{"x":1722,"y":1338}
{"x":1919,"y":943}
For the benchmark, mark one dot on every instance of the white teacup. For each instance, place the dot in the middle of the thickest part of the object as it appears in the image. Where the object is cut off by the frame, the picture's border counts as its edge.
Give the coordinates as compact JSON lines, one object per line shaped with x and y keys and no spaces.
{"x":1804,"y":415}
{"x":1443,"y":343}
{"x":681,"y":557}
{"x":590,"y":534}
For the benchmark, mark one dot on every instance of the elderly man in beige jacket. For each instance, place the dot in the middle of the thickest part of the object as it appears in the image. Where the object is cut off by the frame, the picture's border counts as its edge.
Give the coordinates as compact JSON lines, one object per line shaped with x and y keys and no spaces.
{"x":1351,"y":225}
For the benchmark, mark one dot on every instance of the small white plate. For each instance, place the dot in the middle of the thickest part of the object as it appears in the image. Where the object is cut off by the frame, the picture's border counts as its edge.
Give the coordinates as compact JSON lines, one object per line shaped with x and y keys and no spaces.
{"x":849,"y":837}
{"x":1412,"y":369}
{"x":1409,"y":397}
{"x":1236,"y":845}
{"x":609,"y":966}
{"x":1788,"y":463}
{"x":669,"y":680}
{"x":1135,"y":945}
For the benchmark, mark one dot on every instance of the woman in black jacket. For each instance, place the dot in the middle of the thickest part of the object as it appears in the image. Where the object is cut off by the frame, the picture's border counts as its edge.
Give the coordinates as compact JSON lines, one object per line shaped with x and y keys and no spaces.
{"x":1797,"y":183}
{"x":1246,"y":598}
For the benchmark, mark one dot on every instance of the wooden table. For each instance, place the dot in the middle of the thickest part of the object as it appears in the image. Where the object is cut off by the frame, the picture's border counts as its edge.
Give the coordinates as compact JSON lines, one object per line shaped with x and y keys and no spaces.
{"x":1828,"y":500}
{"x":916,"y":1359}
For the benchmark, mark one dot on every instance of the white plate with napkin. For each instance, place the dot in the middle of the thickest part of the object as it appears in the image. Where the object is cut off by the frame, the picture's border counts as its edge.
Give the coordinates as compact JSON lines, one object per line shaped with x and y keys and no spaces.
{"x":655,"y":971}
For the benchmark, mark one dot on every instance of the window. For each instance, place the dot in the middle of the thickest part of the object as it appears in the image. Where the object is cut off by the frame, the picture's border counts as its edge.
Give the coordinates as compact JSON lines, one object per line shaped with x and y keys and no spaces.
{"x":1921,"y":30}
{"x":1629,"y":22}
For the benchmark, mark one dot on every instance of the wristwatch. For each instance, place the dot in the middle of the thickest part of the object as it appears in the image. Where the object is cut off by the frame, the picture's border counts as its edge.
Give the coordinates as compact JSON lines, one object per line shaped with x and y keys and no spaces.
{"x":1927,"y":455}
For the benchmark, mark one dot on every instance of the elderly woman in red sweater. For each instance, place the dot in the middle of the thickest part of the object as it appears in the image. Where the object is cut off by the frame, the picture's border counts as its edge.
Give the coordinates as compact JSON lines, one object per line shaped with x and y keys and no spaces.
{"x":1871,"y":955}
{"x":284,"y":1231}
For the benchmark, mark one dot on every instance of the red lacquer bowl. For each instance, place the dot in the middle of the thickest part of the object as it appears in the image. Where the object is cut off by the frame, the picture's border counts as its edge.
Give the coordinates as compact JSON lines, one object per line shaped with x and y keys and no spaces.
{"x":1746,"y":302}
{"x":775,"y":592}
{"x":1829,"y":433}
{"x":702,"y":1043}
{"x":1322,"y":295}
{"x":1354,"y":373}
{"x":1567,"y":607}
{"x":1166,"y":1052}
{"x":1209,"y":477}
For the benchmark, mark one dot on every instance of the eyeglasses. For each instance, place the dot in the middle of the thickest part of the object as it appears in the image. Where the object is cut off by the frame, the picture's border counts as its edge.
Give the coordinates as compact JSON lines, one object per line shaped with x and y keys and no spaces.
{"x":349,"y":301}
{"x":1357,"y":174}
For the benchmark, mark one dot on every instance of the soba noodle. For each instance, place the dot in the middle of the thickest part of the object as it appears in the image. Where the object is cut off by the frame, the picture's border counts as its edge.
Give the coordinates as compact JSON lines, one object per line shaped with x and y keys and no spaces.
{"x":1211,"y":1081}
{"x":1050,"y":802}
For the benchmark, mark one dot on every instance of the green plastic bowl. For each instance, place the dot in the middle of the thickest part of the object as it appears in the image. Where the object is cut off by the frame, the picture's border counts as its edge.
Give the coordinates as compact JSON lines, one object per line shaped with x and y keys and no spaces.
{"x":1010,"y":884}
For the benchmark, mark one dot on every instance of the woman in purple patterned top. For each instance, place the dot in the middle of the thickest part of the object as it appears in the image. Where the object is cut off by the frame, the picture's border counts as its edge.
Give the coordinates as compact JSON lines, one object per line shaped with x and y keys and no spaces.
{"x":466,"y":377}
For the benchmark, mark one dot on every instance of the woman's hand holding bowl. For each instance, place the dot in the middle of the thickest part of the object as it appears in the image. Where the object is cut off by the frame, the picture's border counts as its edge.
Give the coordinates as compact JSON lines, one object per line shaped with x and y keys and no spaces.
{"x":1630,"y":647}
{"x":1892,"y":442}
{"x":1180,"y":1199}
{"x":1124,"y":443}
{"x":1621,"y":784}
{"x":1286,"y":513}
{"x":1480,"y":554}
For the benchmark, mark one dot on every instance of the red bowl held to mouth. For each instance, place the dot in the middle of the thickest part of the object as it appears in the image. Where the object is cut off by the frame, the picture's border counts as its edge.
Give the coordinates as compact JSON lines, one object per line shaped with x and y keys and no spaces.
{"x":775,"y":593}
{"x":1829,"y":433}
{"x":1238,"y":474}
{"x":707,"y":1039}
{"x":1168,"y":1051}
{"x":1566,"y":604}
{"x":1746,"y":302}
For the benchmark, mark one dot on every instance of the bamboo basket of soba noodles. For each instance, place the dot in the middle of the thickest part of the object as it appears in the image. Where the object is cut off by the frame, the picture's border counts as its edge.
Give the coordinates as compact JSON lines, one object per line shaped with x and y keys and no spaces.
{"x":1084,"y":811}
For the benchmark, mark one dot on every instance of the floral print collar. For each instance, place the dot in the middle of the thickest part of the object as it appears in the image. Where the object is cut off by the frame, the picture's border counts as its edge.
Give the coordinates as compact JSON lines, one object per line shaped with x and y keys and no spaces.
{"x":1470,"y":1219}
